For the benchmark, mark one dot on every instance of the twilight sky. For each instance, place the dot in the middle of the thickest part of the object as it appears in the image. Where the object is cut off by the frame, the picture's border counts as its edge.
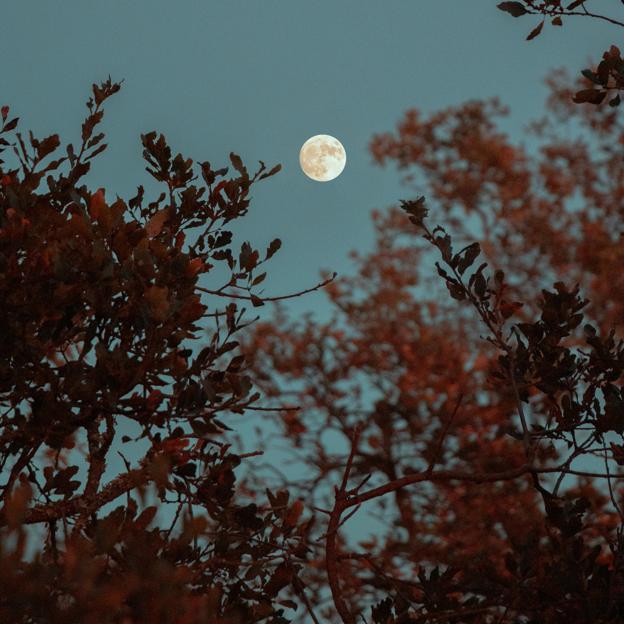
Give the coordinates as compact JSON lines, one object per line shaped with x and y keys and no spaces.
{"x":259,"y":77}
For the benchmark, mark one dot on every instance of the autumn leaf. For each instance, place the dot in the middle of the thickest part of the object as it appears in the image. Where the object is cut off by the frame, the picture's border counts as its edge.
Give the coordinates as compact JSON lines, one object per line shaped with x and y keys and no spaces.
{"x":154,"y":399}
{"x":147,"y":515}
{"x":536,"y":31}
{"x":273,"y":248}
{"x":195,"y":265}
{"x":591,"y":96}
{"x":97,"y":204}
{"x":155,"y":224}
{"x":294,"y":513}
{"x":157,"y":300}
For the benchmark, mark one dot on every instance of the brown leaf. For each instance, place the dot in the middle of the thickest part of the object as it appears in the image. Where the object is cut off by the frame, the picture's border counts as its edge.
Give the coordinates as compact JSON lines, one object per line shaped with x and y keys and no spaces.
{"x":536,"y":31}
{"x":294,"y":513}
{"x":513,"y":8}
{"x":590,"y":96}
{"x":97,"y":204}
{"x":17,"y":504}
{"x":155,"y":224}
{"x":147,"y":515}
{"x":273,"y":171}
{"x":157,"y":300}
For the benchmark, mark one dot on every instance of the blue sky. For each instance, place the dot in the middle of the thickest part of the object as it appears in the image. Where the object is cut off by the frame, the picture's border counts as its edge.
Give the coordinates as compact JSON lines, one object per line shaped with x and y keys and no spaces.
{"x":260,"y":77}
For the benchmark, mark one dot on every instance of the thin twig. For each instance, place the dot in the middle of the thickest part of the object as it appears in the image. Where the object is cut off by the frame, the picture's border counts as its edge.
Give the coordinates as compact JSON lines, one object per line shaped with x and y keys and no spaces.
{"x":443,"y":434}
{"x":597,"y":16}
{"x":300,"y":589}
{"x":611,"y":494}
{"x":263,"y":299}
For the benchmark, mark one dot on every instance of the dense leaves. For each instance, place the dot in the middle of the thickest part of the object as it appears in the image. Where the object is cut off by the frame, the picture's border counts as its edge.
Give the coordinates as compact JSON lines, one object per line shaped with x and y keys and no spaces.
{"x":101,"y":312}
{"x":476,"y":431}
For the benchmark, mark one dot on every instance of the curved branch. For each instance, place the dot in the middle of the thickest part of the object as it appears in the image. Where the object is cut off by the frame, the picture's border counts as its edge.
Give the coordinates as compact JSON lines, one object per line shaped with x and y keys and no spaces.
{"x":453,"y":475}
{"x":557,"y":12}
{"x":597,"y":16}
{"x":81,"y":504}
{"x":263,"y":299}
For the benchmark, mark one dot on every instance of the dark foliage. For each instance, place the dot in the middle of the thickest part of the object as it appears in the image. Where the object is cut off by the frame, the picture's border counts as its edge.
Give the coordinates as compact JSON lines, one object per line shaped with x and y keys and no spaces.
{"x":484,"y":425}
{"x":101,"y":312}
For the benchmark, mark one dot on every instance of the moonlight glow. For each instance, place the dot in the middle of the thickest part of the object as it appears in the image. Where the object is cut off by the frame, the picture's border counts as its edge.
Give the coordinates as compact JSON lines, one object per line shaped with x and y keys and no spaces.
{"x":322,"y":157}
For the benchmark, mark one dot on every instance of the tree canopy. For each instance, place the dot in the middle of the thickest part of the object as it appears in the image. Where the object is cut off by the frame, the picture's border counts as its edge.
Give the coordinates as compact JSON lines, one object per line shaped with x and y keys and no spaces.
{"x":464,"y":401}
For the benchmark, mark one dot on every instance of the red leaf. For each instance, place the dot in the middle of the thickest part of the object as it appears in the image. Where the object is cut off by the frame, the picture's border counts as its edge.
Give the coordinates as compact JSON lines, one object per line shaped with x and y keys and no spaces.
{"x":97,"y":204}
{"x":154,"y":399}
{"x":155,"y":224}
{"x":195,"y":266}
{"x":157,"y":298}
{"x":294,"y":513}
{"x":147,"y":515}
{"x":174,"y":445}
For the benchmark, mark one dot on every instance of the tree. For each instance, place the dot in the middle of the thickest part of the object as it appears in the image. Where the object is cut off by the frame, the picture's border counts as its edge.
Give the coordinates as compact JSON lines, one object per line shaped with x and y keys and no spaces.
{"x":481,"y":432}
{"x":608,"y":76}
{"x":483,"y":429}
{"x":100,"y":356}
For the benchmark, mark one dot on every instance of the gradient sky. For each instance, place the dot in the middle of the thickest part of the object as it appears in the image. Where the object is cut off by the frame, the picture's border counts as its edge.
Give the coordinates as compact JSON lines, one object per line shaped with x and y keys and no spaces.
{"x":260,"y":76}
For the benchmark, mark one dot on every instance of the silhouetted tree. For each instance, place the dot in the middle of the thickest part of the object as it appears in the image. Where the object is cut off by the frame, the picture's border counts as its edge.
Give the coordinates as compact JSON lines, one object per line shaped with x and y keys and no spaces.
{"x":608,"y":76}
{"x":482,"y":433}
{"x":101,"y":316}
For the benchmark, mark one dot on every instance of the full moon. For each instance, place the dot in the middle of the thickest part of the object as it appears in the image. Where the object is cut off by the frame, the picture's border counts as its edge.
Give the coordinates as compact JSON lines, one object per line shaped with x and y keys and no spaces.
{"x":322,"y":157}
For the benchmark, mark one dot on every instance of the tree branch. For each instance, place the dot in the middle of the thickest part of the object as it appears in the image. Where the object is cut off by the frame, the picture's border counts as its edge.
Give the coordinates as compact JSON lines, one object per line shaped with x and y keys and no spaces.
{"x":263,"y":299}
{"x":81,"y":504}
{"x":597,"y":16}
{"x":331,"y":545}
